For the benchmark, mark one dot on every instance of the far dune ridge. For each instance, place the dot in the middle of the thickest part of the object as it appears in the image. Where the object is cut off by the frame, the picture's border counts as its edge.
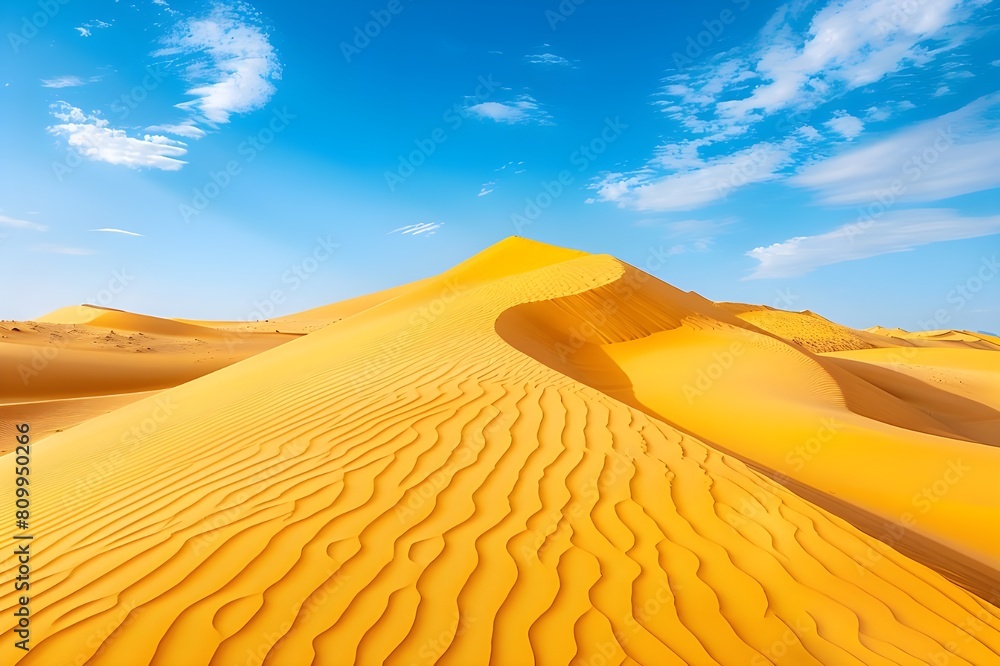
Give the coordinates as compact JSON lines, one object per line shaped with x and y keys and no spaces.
{"x":539,"y":456}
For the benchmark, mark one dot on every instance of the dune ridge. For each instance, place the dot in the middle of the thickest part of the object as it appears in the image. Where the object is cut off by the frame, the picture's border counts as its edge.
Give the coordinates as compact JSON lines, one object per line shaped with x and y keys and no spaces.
{"x":423,"y":482}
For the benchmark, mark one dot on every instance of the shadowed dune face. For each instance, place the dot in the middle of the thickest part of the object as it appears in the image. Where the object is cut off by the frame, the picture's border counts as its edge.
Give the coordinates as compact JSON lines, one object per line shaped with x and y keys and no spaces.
{"x":421,"y":482}
{"x":832,"y":425}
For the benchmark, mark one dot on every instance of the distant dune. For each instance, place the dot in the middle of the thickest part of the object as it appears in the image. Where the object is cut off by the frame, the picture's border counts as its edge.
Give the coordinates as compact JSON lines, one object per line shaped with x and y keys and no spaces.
{"x":79,"y":362}
{"x":539,"y":456}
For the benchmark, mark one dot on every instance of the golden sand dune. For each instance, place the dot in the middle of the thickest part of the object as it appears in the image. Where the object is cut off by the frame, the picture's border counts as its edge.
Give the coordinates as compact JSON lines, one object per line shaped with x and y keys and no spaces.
{"x":502,"y":465}
{"x":78,"y":362}
{"x":807,"y":329}
{"x":946,"y":338}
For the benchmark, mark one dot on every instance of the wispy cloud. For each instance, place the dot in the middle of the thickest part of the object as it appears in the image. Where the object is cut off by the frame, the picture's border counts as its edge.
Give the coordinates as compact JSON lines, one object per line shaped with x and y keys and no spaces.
{"x":887,"y":109}
{"x":232,"y":65}
{"x":186,"y":130}
{"x":117,"y":231}
{"x":420,"y":229}
{"x":67,"y":81}
{"x":801,"y":61}
{"x":548,"y":59}
{"x":691,"y":235}
{"x":930,"y":161}
{"x":92,"y":137}
{"x":487,"y":188}
{"x":522,"y":110}
{"x":21,"y":224}
{"x":86,"y":30}
{"x":694,"y":182}
{"x":898,"y":231}
{"x":165,"y":5}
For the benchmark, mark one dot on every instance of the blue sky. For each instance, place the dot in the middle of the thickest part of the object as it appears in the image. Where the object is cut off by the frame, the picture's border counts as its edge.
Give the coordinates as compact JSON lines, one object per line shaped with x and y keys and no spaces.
{"x":226,"y":160}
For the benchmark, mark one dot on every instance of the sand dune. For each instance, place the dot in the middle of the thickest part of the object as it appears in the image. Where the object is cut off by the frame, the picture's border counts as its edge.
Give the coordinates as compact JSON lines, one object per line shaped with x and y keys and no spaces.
{"x":79,"y":362}
{"x":946,"y":338}
{"x":504,"y":465}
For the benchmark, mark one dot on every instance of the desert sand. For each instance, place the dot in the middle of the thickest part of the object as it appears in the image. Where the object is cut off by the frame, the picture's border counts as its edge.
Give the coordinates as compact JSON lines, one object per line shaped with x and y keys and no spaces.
{"x":78,"y":362}
{"x":539,"y":456}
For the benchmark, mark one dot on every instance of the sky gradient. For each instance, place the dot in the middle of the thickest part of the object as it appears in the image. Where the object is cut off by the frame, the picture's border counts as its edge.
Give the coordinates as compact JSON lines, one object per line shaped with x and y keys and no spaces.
{"x":232,"y":161}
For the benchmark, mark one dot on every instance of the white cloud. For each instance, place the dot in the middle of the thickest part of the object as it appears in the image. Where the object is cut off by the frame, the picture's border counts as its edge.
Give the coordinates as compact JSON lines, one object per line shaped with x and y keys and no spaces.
{"x":92,"y":137}
{"x":846,"y":125}
{"x":797,"y":64}
{"x":692,"y":235}
{"x":548,"y":59}
{"x":809,"y":133}
{"x":422,"y":228}
{"x":524,"y":110}
{"x":21,"y":224}
{"x":186,"y":130}
{"x":65,"y":82}
{"x":898,"y":231}
{"x":941,"y":91}
{"x":877,"y":114}
{"x":233,"y":63}
{"x":696,"y":182}
{"x":86,"y":29}
{"x":116,"y":231}
{"x":164,"y":5}
{"x":487,"y":189}
{"x":954,"y":154}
